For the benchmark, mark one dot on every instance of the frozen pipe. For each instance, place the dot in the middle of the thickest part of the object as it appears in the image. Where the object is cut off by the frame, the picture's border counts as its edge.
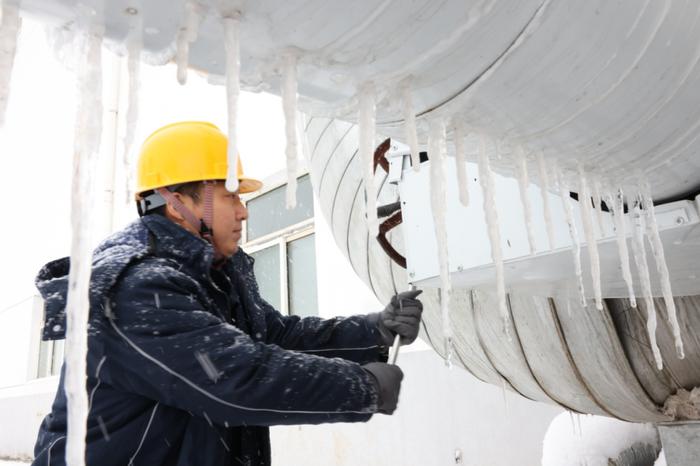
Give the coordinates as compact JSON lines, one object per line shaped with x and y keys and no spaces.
{"x":289,"y":105}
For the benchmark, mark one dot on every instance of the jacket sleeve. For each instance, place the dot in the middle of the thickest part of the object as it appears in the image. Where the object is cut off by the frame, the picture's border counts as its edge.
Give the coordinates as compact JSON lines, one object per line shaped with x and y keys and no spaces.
{"x":160,"y":343}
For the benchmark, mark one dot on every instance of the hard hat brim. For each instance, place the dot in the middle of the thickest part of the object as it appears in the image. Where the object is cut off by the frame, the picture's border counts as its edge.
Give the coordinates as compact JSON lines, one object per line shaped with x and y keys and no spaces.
{"x":248,"y":185}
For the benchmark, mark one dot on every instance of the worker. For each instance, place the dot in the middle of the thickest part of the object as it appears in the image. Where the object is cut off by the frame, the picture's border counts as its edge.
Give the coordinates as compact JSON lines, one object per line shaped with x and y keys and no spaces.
{"x":187,"y":364}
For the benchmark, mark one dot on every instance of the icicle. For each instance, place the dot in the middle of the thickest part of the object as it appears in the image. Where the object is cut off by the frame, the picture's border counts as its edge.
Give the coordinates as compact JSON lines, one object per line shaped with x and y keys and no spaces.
{"x":134,"y":46}
{"x":491,"y":214}
{"x":409,"y":118}
{"x":233,"y":89}
{"x":9,"y":30}
{"x":657,"y":249}
{"x":187,"y":34}
{"x":598,"y":205}
{"x":587,"y":220}
{"x":640,"y":260}
{"x":544,"y":189}
{"x":289,"y":104}
{"x":367,"y":122}
{"x":523,"y":183}
{"x":87,"y":140}
{"x":618,"y":208}
{"x":576,"y":244}
{"x":460,"y":160}
{"x":438,"y":201}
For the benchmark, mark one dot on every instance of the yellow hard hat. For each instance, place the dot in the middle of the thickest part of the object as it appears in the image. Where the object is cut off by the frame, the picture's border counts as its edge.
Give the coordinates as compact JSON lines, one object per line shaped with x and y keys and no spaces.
{"x":183,"y":152}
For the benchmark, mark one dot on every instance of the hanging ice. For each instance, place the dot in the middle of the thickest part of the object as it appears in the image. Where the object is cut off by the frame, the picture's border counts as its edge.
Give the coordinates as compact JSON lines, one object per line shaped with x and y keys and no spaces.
{"x":87,"y":140}
{"x":233,"y":89}
{"x":640,"y":260}
{"x":618,"y":208}
{"x":460,"y":160}
{"x":409,"y":118}
{"x":134,"y":46}
{"x":185,"y":36}
{"x":491,"y":214}
{"x":9,"y":30}
{"x":657,"y":250}
{"x":591,"y":242}
{"x":597,"y":204}
{"x":289,"y":104}
{"x":544,"y":189}
{"x":438,"y":201}
{"x":573,"y":232}
{"x":367,"y":121}
{"x":523,"y":183}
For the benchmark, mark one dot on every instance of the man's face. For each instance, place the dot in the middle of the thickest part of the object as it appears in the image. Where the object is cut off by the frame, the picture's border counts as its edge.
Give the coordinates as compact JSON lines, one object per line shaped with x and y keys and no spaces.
{"x":229,"y":213}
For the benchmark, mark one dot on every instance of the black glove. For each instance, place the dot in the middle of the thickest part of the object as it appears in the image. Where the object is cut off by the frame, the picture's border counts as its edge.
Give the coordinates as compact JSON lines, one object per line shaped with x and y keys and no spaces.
{"x":387,"y":379}
{"x":401,"y":316}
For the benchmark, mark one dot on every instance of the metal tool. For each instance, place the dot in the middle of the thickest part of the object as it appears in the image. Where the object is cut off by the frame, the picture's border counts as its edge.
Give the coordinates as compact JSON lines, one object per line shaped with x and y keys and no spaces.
{"x":394,"y":351}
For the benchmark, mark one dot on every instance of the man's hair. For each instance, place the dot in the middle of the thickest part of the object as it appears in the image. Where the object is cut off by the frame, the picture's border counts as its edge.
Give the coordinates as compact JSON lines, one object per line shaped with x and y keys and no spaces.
{"x":192,"y":189}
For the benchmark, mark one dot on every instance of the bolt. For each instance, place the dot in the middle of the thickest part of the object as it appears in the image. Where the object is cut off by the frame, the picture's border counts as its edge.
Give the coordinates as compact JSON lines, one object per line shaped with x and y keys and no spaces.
{"x":131,"y":11}
{"x":680,"y":220}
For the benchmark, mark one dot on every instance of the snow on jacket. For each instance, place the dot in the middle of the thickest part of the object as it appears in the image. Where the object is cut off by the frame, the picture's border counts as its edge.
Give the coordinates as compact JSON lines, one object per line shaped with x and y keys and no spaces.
{"x":188,"y":365}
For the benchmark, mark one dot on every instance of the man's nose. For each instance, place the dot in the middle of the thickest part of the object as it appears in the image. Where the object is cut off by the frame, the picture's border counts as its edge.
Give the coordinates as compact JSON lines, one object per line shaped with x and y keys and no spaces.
{"x":243,"y":212}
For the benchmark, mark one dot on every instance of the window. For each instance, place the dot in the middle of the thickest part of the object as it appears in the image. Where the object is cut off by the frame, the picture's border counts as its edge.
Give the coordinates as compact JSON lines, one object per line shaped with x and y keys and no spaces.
{"x":50,"y":358}
{"x":282,"y":243}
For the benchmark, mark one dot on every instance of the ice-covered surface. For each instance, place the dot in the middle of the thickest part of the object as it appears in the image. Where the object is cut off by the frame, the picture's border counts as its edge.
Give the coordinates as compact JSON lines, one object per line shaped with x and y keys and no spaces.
{"x":10,"y":24}
{"x":591,"y":440}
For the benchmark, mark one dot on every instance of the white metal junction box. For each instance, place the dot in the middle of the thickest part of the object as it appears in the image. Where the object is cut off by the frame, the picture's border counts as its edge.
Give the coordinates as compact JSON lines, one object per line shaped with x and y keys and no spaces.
{"x":546,"y":272}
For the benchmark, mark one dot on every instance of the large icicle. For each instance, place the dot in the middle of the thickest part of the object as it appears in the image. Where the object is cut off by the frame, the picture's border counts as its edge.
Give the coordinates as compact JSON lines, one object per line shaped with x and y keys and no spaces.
{"x":573,"y":232}
{"x":186,"y":35}
{"x":438,"y":201}
{"x":491,"y":214}
{"x":233,"y":89}
{"x":640,"y":260}
{"x":460,"y":161}
{"x":591,"y":242}
{"x":657,"y":249}
{"x":88,"y":130}
{"x":367,"y":119}
{"x":544,"y":189}
{"x":134,"y":46}
{"x":409,"y":118}
{"x":289,"y":104}
{"x":618,"y":208}
{"x":597,"y":203}
{"x":9,"y":30}
{"x":523,"y":182}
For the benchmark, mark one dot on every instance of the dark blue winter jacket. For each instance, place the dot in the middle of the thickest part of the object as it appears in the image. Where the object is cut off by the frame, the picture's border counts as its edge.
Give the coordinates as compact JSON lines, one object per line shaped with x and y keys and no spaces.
{"x":188,"y":365}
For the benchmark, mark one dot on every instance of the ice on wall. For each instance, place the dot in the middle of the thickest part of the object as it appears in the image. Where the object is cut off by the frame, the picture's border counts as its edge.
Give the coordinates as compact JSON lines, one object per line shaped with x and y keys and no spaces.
{"x":573,"y":232}
{"x":233,"y":90}
{"x":491,"y":215}
{"x":591,"y":242}
{"x":409,"y":118}
{"x":289,"y":104}
{"x":88,"y":130}
{"x":523,"y":182}
{"x":438,"y":201}
{"x":459,"y":133}
{"x":367,"y":120}
{"x":544,"y":189}
{"x":10,"y":25}
{"x":640,"y":260}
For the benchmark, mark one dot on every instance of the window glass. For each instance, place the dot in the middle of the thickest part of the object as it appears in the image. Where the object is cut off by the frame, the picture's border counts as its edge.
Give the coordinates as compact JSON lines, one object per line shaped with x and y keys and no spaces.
{"x":267,"y":272}
{"x":268,"y":212}
{"x":301,"y":274}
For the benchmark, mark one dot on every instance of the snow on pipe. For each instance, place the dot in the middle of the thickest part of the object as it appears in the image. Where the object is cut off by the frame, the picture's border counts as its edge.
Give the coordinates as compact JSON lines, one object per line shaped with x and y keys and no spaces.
{"x":640,"y":260}
{"x":523,"y":183}
{"x":185,"y":36}
{"x":460,"y":160}
{"x":289,"y":105}
{"x":233,"y":89}
{"x":438,"y":200}
{"x":657,"y":250}
{"x":573,"y":232}
{"x":367,"y":119}
{"x":10,"y":26}
{"x":544,"y":189}
{"x":491,"y":214}
{"x":409,"y":117}
{"x":591,"y":241}
{"x":88,"y":130}
{"x":134,"y":46}
{"x":617,"y":205}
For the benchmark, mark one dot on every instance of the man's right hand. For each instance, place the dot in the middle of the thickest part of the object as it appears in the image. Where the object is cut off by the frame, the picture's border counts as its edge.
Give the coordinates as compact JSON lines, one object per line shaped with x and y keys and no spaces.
{"x":387,"y":378}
